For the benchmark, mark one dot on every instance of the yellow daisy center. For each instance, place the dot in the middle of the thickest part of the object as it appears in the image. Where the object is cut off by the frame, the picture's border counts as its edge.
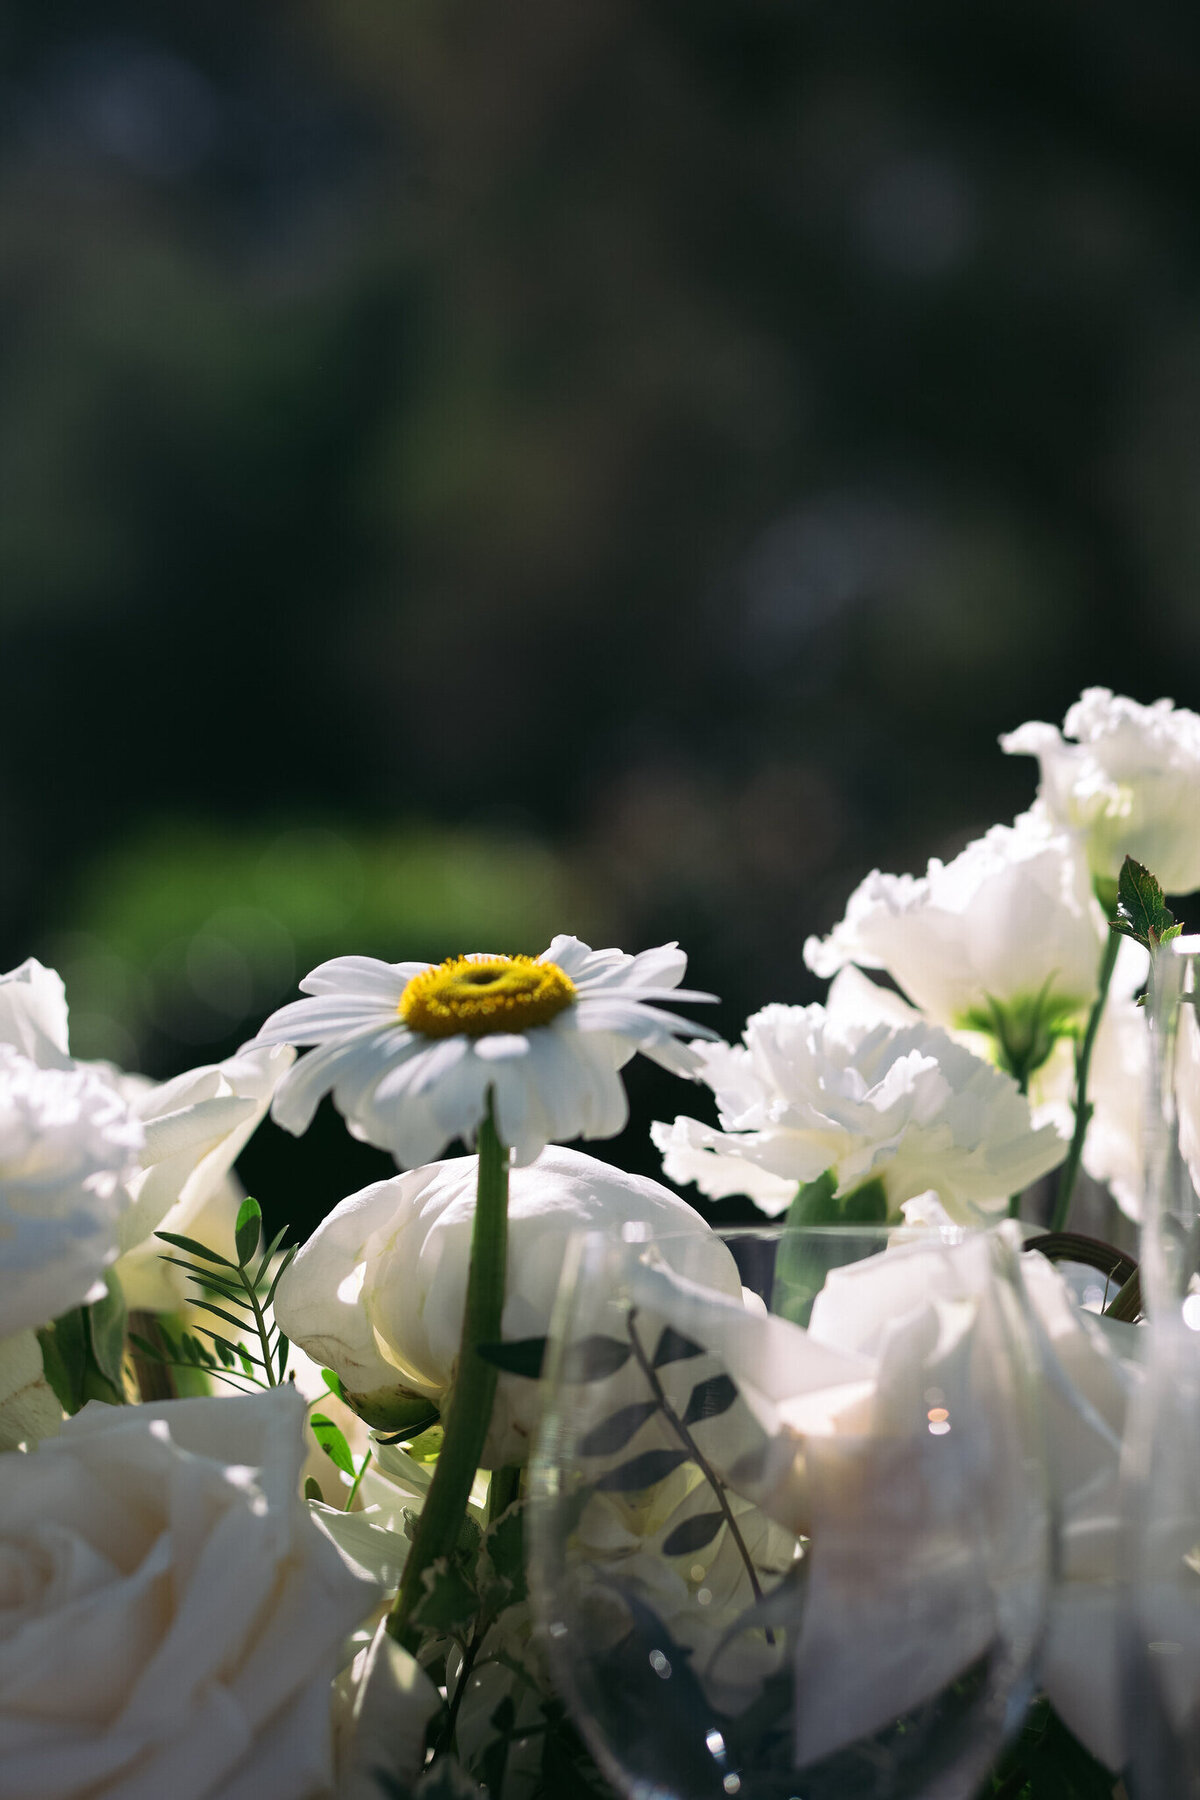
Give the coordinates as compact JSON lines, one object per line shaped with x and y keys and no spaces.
{"x":477,"y":995}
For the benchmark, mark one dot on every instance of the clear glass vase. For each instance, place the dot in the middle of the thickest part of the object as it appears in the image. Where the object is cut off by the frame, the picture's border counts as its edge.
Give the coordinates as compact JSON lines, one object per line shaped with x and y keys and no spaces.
{"x":1161,"y":1469}
{"x":789,"y":1518}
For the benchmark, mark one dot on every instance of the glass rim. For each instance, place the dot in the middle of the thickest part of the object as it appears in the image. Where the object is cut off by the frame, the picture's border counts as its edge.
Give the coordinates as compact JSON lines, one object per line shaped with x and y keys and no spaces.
{"x":639,"y":1231}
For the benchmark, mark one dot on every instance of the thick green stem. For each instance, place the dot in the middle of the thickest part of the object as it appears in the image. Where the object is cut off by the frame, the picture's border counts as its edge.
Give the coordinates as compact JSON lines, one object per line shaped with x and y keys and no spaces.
{"x":468,"y":1413}
{"x":1083,"y":1110}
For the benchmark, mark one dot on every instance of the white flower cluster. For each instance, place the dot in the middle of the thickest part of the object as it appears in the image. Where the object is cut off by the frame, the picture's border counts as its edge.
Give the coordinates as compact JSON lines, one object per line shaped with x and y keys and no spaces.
{"x":175,"y":1619}
{"x":1001,"y":948}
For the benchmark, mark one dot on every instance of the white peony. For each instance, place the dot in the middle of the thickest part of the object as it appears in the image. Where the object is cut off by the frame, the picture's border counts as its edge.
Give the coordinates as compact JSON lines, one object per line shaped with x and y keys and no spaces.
{"x":816,"y":1088}
{"x":196,"y":1125}
{"x":173,"y":1618}
{"x":194,"y":1128}
{"x":68,"y":1144}
{"x":1129,"y":783}
{"x":1006,"y":938}
{"x":378,"y":1291}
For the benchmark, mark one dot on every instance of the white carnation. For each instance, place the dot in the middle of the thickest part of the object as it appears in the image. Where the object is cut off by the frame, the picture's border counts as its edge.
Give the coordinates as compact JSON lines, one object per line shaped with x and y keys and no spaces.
{"x":808,"y":1091}
{"x":194,"y":1128}
{"x":1005,"y":938}
{"x":68,"y":1143}
{"x":1129,"y":783}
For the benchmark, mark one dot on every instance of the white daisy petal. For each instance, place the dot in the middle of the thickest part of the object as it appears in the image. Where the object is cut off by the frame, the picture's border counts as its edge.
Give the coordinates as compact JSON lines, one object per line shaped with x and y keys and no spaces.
{"x":503,"y":1045}
{"x":308,"y":1081}
{"x":361,"y":975}
{"x":616,"y":1012}
{"x":327,"y":1016}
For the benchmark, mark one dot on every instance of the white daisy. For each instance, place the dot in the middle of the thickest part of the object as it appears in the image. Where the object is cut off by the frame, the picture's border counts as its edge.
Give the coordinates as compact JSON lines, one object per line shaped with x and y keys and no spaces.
{"x":409,"y":1050}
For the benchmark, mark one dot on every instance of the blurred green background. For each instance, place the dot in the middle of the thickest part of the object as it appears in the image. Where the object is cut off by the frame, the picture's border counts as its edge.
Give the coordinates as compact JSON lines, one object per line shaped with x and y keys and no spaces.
{"x":469,"y":471}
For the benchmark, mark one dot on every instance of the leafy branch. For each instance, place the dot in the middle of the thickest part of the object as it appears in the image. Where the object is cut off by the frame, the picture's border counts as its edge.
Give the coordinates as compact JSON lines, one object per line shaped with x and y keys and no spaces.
{"x":248,"y":1286}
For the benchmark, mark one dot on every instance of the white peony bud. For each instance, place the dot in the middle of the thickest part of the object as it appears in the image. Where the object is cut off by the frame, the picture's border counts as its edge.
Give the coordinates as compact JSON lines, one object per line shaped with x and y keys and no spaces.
{"x":378,"y":1291}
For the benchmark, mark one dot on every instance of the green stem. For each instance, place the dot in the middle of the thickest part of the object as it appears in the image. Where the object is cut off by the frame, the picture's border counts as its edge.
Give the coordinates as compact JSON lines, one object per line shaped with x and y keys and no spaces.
{"x":1083,"y":1110}
{"x":468,"y":1412}
{"x":357,"y":1482}
{"x":503,"y":1489}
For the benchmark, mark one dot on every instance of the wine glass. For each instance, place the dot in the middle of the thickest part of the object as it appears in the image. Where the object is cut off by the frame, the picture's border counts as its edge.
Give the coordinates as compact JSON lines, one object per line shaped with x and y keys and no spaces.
{"x":789,"y":1525}
{"x":1161,"y":1462}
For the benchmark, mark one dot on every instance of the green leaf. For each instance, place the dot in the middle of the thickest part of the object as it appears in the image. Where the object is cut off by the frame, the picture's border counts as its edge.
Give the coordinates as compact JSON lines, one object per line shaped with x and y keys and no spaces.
{"x":641,"y":1471}
{"x":524,"y":1357}
{"x":614,"y":1433}
{"x":333,"y":1382}
{"x":65,"y":1357}
{"x":710,"y":1398}
{"x":594,"y":1358}
{"x":504,"y":1716}
{"x":693,"y":1534}
{"x":282,"y":1346}
{"x":284,"y":1265}
{"x":674,"y":1347}
{"x":449,"y":1601}
{"x":815,"y":1202}
{"x":312,"y":1489}
{"x":219,"y":1311}
{"x":194,"y":1248}
{"x":1142,"y":913}
{"x":268,"y":1253}
{"x":332,"y":1442}
{"x":247,"y":1233}
{"x":107,"y":1320}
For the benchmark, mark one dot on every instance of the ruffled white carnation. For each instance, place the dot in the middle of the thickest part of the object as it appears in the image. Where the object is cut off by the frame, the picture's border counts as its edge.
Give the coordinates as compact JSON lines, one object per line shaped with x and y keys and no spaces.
{"x":194,"y":1128}
{"x":412,"y":1084}
{"x":1129,"y":783}
{"x":808,"y":1091}
{"x":68,"y":1144}
{"x":378,"y":1291}
{"x":1008,"y":926}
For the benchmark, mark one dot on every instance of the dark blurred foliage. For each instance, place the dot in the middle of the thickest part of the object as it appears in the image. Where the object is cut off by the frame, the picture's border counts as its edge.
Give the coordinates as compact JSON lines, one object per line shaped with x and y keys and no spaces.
{"x":472,"y":470}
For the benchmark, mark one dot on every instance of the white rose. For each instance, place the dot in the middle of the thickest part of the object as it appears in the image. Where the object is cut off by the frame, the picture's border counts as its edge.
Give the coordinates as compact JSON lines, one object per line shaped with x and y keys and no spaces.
{"x":195,"y":1127}
{"x":173,"y":1618}
{"x":67,"y":1145}
{"x":1010,"y":926}
{"x":813,"y":1088}
{"x":378,"y":1291}
{"x":1129,"y":783}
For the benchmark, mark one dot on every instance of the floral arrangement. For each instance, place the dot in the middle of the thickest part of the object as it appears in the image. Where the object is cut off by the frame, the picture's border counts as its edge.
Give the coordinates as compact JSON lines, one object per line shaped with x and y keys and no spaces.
{"x":262,"y":1507}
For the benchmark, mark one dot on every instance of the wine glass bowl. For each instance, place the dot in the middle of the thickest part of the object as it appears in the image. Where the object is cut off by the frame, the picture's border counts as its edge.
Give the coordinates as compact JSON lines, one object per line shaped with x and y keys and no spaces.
{"x":789,"y":1524}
